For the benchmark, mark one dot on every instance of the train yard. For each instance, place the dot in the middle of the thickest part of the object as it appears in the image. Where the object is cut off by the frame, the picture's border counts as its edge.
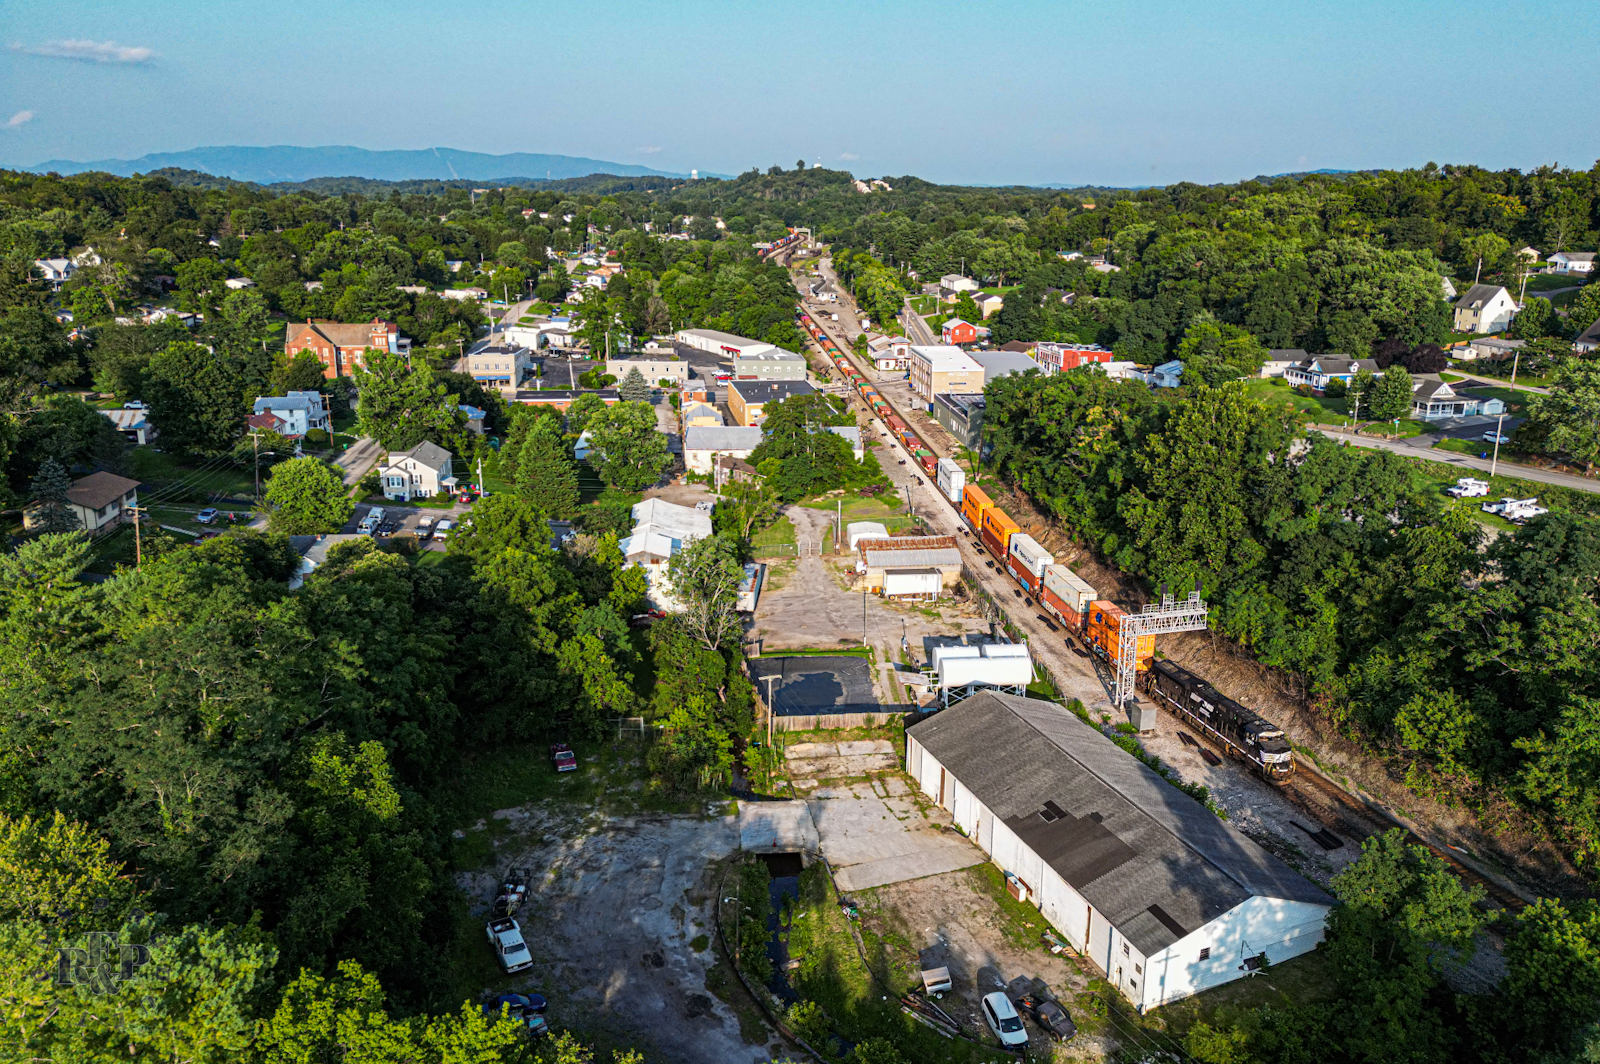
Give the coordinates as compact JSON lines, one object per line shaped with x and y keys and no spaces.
{"x":1297,"y":803}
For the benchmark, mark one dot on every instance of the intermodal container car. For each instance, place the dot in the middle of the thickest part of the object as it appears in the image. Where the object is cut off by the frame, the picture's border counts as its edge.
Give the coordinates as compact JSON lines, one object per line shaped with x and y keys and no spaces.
{"x":1067,"y":595}
{"x":974,"y":501}
{"x":996,"y":531}
{"x":1104,"y":633}
{"x":1027,"y":560}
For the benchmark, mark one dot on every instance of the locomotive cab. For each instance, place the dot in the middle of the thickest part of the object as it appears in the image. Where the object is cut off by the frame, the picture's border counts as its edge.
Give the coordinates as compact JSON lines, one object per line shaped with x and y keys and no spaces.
{"x":1271,"y":749}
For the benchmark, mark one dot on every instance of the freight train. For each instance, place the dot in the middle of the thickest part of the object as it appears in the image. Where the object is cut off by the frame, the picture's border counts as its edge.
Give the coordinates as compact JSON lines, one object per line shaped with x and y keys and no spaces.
{"x":1239,"y":729}
{"x":903,"y":433}
{"x":1098,"y":623}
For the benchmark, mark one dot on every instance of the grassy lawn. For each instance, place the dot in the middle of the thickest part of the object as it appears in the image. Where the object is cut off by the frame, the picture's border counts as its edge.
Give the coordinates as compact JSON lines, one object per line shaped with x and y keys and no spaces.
{"x":778,"y":535}
{"x":163,"y":477}
{"x":1303,"y":980}
{"x":886,"y":509}
{"x":1277,"y":390}
{"x":344,"y":420}
{"x":1524,"y":378}
{"x":1516,"y":401}
{"x":1545,"y":282}
{"x":833,"y":975}
{"x":1436,"y":476}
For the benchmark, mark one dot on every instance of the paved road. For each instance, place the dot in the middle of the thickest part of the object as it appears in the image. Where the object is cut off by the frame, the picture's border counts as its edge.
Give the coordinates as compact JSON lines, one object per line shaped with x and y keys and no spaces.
{"x":917,"y":330}
{"x":1411,"y":449}
{"x":357,"y":459}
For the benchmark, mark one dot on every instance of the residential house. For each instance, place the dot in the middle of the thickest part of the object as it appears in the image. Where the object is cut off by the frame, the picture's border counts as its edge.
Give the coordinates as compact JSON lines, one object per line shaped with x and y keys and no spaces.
{"x":1528,"y":254}
{"x":1447,"y":287}
{"x":956,"y":331}
{"x":464,"y":294}
{"x":747,"y":399}
{"x":852,"y":436}
{"x":1588,"y":340}
{"x":1003,"y":363}
{"x":955,"y":282}
{"x":238,"y":284}
{"x":1570,"y":262}
{"x":313,"y":551}
{"x":774,"y":365}
{"x":299,"y":411}
{"x":561,"y":398}
{"x":1486,"y":308}
{"x":420,"y":473}
{"x":699,"y":416}
{"x":1318,"y":370}
{"x":703,"y":445}
{"x":342,"y":349}
{"x":1489,"y":348}
{"x":101,"y":502}
{"x":989,"y":303}
{"x":889,"y":353}
{"x":133,"y":424}
{"x":1280,"y":360}
{"x":939,"y":369}
{"x":961,"y":414}
{"x":57,"y":271}
{"x":728,"y":470}
{"x":475,"y":417}
{"x":1433,"y":399}
{"x":660,"y":530}
{"x":1167,"y":375}
{"x":267,"y":422}
{"x":1164,"y":898}
{"x":654,"y":371}
{"x":503,"y":367}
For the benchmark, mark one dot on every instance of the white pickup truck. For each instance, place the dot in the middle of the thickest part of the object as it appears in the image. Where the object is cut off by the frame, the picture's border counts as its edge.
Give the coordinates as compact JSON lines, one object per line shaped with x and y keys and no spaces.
{"x":510,"y":949}
{"x":1515,"y":509}
{"x":1468,"y":488}
{"x":443,"y":529}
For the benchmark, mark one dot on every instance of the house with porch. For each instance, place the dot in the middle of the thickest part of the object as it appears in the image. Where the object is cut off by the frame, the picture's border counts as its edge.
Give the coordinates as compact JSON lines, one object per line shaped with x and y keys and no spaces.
{"x":1318,"y":370}
{"x":1433,"y":399}
{"x":420,"y":473}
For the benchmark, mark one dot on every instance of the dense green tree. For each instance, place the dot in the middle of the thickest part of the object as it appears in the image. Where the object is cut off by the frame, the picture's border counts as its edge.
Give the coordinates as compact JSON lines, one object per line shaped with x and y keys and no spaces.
{"x":307,"y":497}
{"x":50,"y":509}
{"x":705,"y":577}
{"x":583,"y":408}
{"x":1566,"y":421}
{"x":1390,"y":396}
{"x":626,"y":448}
{"x":634,"y":388}
{"x":402,"y":405}
{"x":545,"y":472}
{"x":196,"y":399}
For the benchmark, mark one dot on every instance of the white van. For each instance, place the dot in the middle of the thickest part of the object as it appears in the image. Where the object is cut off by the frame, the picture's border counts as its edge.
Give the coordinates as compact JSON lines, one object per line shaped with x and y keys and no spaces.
{"x":442,"y":529}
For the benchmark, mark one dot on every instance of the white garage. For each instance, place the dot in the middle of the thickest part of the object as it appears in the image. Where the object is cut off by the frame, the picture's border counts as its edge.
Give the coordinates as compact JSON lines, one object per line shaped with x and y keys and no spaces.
{"x":1164,"y":897}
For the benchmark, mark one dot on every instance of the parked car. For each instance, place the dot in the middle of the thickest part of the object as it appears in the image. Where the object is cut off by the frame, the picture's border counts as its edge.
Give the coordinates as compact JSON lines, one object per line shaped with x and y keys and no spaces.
{"x":562,"y":757}
{"x":1050,"y":1016}
{"x":510,"y":949}
{"x":206,"y":516}
{"x":443,"y":528}
{"x":376,"y":513}
{"x":1002,"y":1018}
{"x":133,"y":404}
{"x":1494,"y":437}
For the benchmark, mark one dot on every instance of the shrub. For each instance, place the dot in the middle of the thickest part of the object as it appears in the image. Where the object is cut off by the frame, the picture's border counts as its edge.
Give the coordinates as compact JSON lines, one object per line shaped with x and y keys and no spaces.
{"x":1336,"y":389}
{"x":317,"y":438}
{"x":1305,"y":390}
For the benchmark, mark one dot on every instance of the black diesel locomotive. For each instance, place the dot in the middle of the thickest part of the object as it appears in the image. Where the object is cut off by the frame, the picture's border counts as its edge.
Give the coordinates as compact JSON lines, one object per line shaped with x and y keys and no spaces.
{"x":1242,"y":731}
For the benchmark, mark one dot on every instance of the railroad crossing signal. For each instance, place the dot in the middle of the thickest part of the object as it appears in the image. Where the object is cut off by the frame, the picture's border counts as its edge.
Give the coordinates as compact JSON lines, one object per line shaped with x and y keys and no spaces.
{"x":1170,"y":616}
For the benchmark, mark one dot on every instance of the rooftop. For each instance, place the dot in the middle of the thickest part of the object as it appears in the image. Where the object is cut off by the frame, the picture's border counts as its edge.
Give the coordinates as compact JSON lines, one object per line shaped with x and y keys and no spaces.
{"x":720,"y":438}
{"x":1002,"y":363}
{"x":1152,"y":860}
{"x":98,"y":490}
{"x":943,"y":358}
{"x":426,"y":453}
{"x":769,"y":391}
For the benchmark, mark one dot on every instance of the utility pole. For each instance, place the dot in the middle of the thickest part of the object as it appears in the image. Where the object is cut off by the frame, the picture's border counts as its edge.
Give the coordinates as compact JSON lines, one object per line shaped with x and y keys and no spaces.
{"x":255,"y":444}
{"x":770,"y":708}
{"x":138,"y":545}
{"x":1494,"y":464}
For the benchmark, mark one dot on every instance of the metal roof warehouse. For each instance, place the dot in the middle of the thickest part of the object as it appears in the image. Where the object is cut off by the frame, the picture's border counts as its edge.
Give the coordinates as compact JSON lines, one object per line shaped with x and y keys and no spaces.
{"x":1149,"y":884}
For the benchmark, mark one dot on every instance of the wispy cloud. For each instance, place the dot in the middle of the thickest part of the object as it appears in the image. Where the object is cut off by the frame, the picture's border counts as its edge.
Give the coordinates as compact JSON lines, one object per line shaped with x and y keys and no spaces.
{"x":648,"y":151}
{"x":847,"y":155}
{"x":20,"y":119}
{"x":86,"y":51}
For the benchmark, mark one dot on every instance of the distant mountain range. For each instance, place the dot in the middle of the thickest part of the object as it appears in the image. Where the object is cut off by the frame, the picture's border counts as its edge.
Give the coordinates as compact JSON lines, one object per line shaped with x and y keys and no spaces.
{"x":271,"y":165}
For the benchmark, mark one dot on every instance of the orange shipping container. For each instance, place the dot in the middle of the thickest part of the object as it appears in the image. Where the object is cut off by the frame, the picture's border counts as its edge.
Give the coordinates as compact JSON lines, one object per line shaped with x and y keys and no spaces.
{"x":1104,"y":631}
{"x":997,"y":530}
{"x":973,"y":502}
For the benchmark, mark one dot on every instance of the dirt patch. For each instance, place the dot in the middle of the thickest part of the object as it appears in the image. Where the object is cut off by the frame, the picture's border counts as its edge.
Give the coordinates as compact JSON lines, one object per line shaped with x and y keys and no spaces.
{"x":616,"y":911}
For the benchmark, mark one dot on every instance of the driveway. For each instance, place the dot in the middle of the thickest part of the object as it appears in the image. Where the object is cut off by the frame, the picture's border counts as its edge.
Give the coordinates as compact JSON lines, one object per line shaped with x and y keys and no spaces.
{"x":359,"y":457}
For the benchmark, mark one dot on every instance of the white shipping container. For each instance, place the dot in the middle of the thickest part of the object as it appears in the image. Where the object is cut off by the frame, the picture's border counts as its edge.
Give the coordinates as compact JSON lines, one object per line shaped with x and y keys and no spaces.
{"x":1069,"y":587}
{"x":1005,"y":650}
{"x":1027,"y":551}
{"x":952,"y":479}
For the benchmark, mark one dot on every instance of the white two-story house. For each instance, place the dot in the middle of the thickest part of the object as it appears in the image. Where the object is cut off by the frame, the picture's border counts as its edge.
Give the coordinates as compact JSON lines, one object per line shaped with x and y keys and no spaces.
{"x":420,"y":473}
{"x":300,"y":412}
{"x":1486,"y":308}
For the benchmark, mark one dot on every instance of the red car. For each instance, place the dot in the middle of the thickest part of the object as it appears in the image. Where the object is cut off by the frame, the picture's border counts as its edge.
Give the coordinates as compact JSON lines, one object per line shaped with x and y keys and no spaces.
{"x":562,"y":757}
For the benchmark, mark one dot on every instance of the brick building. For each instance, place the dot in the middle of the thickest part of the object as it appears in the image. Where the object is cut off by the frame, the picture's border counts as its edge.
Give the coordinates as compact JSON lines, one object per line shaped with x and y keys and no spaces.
{"x":343,"y":348}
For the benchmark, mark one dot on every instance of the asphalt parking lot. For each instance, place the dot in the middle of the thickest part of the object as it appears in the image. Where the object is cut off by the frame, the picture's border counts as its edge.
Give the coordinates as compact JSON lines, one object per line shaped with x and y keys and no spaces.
{"x":806,"y":685}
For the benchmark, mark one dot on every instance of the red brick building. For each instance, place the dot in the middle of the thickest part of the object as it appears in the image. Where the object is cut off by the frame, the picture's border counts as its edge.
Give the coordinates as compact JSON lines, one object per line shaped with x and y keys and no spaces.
{"x":343,"y":348}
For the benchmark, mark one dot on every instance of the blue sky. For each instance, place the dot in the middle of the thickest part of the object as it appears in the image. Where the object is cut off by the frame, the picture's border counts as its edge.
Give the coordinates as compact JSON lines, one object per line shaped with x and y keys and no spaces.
{"x":1076,"y":91}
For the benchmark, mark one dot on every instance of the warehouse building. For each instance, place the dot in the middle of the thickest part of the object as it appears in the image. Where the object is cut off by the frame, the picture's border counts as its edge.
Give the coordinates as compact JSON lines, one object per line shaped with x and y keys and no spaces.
{"x":919,"y":567}
{"x":1167,"y":899}
{"x":961,"y":415}
{"x":774,"y":365}
{"x":727,"y":345}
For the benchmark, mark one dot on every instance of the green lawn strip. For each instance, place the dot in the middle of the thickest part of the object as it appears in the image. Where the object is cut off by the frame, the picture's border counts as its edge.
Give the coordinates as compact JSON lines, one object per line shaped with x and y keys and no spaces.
{"x":1277,"y":389}
{"x":822,"y":652}
{"x":1501,"y":372}
{"x":1303,"y":980}
{"x":779,"y":534}
{"x":1516,"y":401}
{"x":429,"y":558}
{"x":1436,"y":476}
{"x":832,"y":974}
{"x":1540,"y":283}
